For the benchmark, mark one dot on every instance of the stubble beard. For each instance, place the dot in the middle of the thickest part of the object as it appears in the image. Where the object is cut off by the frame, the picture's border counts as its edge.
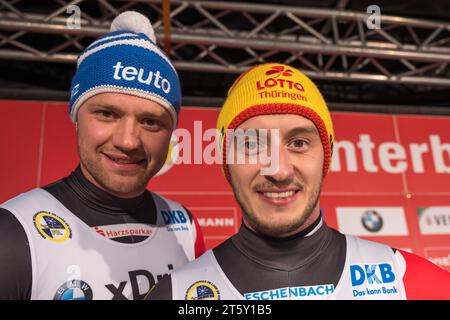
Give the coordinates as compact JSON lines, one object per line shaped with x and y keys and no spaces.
{"x":112,"y":182}
{"x":267,"y":228}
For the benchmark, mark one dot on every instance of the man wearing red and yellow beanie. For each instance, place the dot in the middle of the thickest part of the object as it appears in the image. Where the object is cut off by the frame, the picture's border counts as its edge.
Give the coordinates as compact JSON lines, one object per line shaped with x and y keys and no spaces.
{"x":284,"y":250}
{"x":277,"y":97}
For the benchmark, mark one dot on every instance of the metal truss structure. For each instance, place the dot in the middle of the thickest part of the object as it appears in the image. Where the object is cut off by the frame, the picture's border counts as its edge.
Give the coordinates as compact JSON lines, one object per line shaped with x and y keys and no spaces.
{"x":215,"y":36}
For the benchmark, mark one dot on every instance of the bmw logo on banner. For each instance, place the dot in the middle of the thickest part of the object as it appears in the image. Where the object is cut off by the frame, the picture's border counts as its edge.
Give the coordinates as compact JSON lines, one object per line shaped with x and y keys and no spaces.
{"x":372,"y":221}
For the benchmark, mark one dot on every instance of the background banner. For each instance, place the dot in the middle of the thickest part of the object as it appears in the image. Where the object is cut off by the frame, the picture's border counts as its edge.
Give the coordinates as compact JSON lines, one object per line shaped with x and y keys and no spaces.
{"x":389,"y":180}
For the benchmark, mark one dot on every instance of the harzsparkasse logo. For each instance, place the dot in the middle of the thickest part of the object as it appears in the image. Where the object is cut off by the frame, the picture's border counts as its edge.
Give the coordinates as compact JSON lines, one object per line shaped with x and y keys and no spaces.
{"x":434,"y":220}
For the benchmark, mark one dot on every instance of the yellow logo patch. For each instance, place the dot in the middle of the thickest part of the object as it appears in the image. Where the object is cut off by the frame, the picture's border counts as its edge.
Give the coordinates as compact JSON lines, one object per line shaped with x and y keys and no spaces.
{"x":202,"y":290}
{"x":52,"y":227}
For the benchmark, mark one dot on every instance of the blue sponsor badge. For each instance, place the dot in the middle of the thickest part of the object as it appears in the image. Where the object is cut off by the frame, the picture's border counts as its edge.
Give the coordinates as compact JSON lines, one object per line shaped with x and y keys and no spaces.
{"x":373,"y":280}
{"x":175,"y":220}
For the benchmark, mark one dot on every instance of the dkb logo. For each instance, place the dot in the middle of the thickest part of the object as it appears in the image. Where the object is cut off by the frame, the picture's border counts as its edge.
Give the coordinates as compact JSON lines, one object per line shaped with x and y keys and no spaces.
{"x":372,"y":273}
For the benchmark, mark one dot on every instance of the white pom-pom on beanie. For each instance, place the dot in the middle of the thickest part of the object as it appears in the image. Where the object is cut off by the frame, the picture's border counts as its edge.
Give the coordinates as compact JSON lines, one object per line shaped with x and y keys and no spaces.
{"x":135,"y":22}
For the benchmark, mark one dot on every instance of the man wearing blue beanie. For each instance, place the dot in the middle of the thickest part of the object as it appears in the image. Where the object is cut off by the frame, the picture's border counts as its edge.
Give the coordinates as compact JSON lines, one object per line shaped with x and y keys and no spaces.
{"x":99,"y":233}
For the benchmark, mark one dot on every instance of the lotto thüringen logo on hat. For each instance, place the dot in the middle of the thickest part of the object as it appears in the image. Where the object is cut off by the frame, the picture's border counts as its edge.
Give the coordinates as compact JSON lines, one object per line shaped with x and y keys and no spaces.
{"x":126,"y":60}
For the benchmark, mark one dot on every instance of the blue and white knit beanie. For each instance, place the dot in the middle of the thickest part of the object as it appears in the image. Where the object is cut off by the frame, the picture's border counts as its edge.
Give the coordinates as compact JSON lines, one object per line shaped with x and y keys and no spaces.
{"x":126,"y":60}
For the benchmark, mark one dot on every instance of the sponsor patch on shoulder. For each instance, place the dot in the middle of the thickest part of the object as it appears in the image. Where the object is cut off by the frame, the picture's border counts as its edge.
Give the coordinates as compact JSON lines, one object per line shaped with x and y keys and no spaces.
{"x":52,"y":227}
{"x":202,"y":290}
